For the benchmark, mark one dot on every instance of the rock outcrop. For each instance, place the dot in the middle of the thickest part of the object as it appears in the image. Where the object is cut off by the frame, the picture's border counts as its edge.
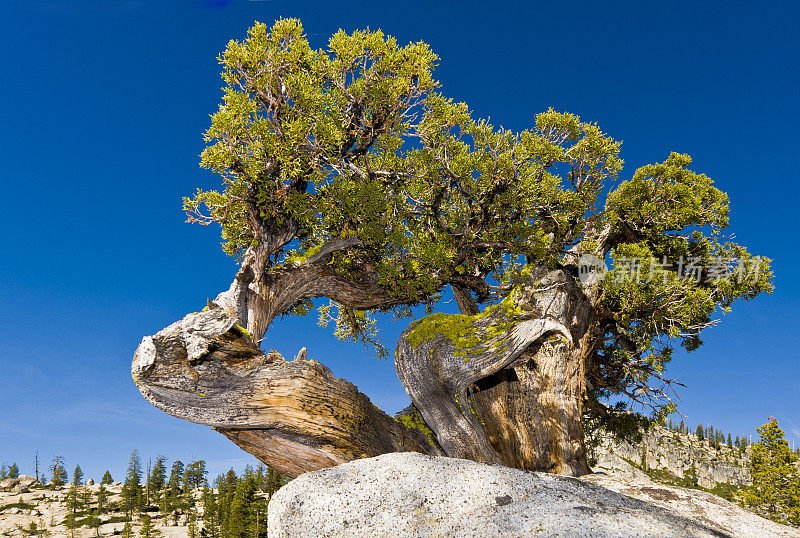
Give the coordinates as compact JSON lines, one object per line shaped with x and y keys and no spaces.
{"x":47,"y":508}
{"x":19,"y":484}
{"x":409,"y":494}
{"x":675,"y":454}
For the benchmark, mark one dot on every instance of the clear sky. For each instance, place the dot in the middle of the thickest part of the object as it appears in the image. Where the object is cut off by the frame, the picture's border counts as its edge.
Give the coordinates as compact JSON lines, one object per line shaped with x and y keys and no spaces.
{"x":104,"y":104}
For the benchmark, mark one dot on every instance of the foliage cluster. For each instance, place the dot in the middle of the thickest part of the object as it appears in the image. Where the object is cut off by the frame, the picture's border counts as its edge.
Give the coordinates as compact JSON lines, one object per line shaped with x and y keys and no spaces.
{"x":775,"y":492}
{"x":234,"y":506}
{"x":355,"y":145}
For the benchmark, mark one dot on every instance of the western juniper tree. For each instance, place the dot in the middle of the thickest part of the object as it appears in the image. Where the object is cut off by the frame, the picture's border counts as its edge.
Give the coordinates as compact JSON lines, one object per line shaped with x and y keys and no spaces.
{"x":350,"y":182}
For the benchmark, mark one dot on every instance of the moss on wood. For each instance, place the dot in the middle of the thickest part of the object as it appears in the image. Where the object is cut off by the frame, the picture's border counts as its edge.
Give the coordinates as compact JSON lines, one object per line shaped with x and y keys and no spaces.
{"x":462,"y":330}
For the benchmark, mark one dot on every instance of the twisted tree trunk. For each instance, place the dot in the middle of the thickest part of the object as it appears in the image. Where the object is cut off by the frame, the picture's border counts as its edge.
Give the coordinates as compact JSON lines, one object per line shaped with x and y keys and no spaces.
{"x":505,"y":385}
{"x":295,"y":416}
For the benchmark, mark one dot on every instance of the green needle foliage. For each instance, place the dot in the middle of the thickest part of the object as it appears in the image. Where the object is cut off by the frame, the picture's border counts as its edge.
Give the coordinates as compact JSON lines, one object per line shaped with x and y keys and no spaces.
{"x":107,"y":480}
{"x":132,"y":498}
{"x":775,"y":493}
{"x":356,"y":142}
{"x":77,"y":476}
{"x":148,"y":530}
{"x":58,"y":472}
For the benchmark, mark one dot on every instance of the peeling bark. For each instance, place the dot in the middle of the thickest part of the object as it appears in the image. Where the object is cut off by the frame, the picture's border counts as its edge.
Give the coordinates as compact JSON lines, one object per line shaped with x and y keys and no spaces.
{"x":295,"y":416}
{"x":505,"y":386}
{"x":257,"y":296}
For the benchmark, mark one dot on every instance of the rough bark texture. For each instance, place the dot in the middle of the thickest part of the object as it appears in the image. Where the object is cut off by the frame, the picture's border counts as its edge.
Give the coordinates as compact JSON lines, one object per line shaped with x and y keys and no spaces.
{"x":295,"y":416}
{"x":255,"y":302}
{"x":507,"y":385}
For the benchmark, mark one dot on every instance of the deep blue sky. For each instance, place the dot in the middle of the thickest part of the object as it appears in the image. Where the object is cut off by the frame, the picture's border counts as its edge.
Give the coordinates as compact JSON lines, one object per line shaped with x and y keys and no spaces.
{"x":104,"y":104}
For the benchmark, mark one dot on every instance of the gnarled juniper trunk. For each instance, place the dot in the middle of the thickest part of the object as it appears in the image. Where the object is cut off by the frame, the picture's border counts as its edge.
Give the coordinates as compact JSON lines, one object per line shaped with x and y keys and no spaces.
{"x":295,"y":416}
{"x":504,"y":386}
{"x":507,"y":385}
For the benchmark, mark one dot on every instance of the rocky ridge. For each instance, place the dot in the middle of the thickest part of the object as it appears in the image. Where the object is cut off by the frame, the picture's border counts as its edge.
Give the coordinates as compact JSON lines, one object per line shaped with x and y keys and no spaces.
{"x":665,"y":455}
{"x":632,"y":469}
{"x":46,"y":508}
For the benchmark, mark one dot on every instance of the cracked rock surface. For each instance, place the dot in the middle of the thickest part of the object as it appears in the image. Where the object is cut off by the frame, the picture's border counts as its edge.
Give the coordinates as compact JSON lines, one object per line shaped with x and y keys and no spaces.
{"x":410,"y":494}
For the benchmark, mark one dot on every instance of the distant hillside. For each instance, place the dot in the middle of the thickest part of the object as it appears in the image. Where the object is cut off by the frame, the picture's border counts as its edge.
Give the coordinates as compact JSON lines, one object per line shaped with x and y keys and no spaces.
{"x":667,"y":456}
{"x":675,"y":458}
{"x":48,"y":511}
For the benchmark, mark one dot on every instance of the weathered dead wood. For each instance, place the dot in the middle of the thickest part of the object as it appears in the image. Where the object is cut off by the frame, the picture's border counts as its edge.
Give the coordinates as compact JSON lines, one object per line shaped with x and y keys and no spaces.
{"x":257,"y":295}
{"x":507,"y":385}
{"x":295,"y":416}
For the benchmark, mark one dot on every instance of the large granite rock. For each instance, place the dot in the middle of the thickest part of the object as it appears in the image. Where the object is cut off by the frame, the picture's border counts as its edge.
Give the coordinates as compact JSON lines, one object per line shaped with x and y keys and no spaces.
{"x":409,"y":494}
{"x":19,"y":484}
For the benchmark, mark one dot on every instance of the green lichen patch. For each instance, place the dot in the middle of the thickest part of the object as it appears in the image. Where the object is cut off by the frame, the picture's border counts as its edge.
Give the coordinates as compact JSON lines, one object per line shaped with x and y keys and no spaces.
{"x":244,"y":331}
{"x":302,"y":257}
{"x":454,"y":327}
{"x":415,"y":422}
{"x":468,"y":332}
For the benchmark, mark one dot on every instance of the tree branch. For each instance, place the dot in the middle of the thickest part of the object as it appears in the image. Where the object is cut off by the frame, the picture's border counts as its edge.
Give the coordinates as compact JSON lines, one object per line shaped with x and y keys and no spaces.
{"x":294,"y":416}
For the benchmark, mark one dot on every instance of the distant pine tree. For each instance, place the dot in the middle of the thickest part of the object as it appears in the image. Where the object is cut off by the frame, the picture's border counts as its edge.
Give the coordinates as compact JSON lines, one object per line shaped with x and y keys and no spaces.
{"x":211,"y":519}
{"x":36,"y":466}
{"x":258,"y":518}
{"x":132,"y":489}
{"x":191,"y":526}
{"x":13,"y":471}
{"x":274,"y":481}
{"x":148,"y":530}
{"x":102,"y":499}
{"x":74,"y":501}
{"x":94,"y":521}
{"x":195,"y":475}
{"x":248,"y":472}
{"x":227,"y":488}
{"x":58,"y":472}
{"x":775,"y":489}
{"x":158,"y":476}
{"x":71,"y":522}
{"x":77,"y":476}
{"x":171,"y":500}
{"x":231,"y":479}
{"x":261,"y":476}
{"x":699,"y":432}
{"x":241,"y":518}
{"x":107,"y":480}
{"x":175,"y":476}
{"x":247,"y":514}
